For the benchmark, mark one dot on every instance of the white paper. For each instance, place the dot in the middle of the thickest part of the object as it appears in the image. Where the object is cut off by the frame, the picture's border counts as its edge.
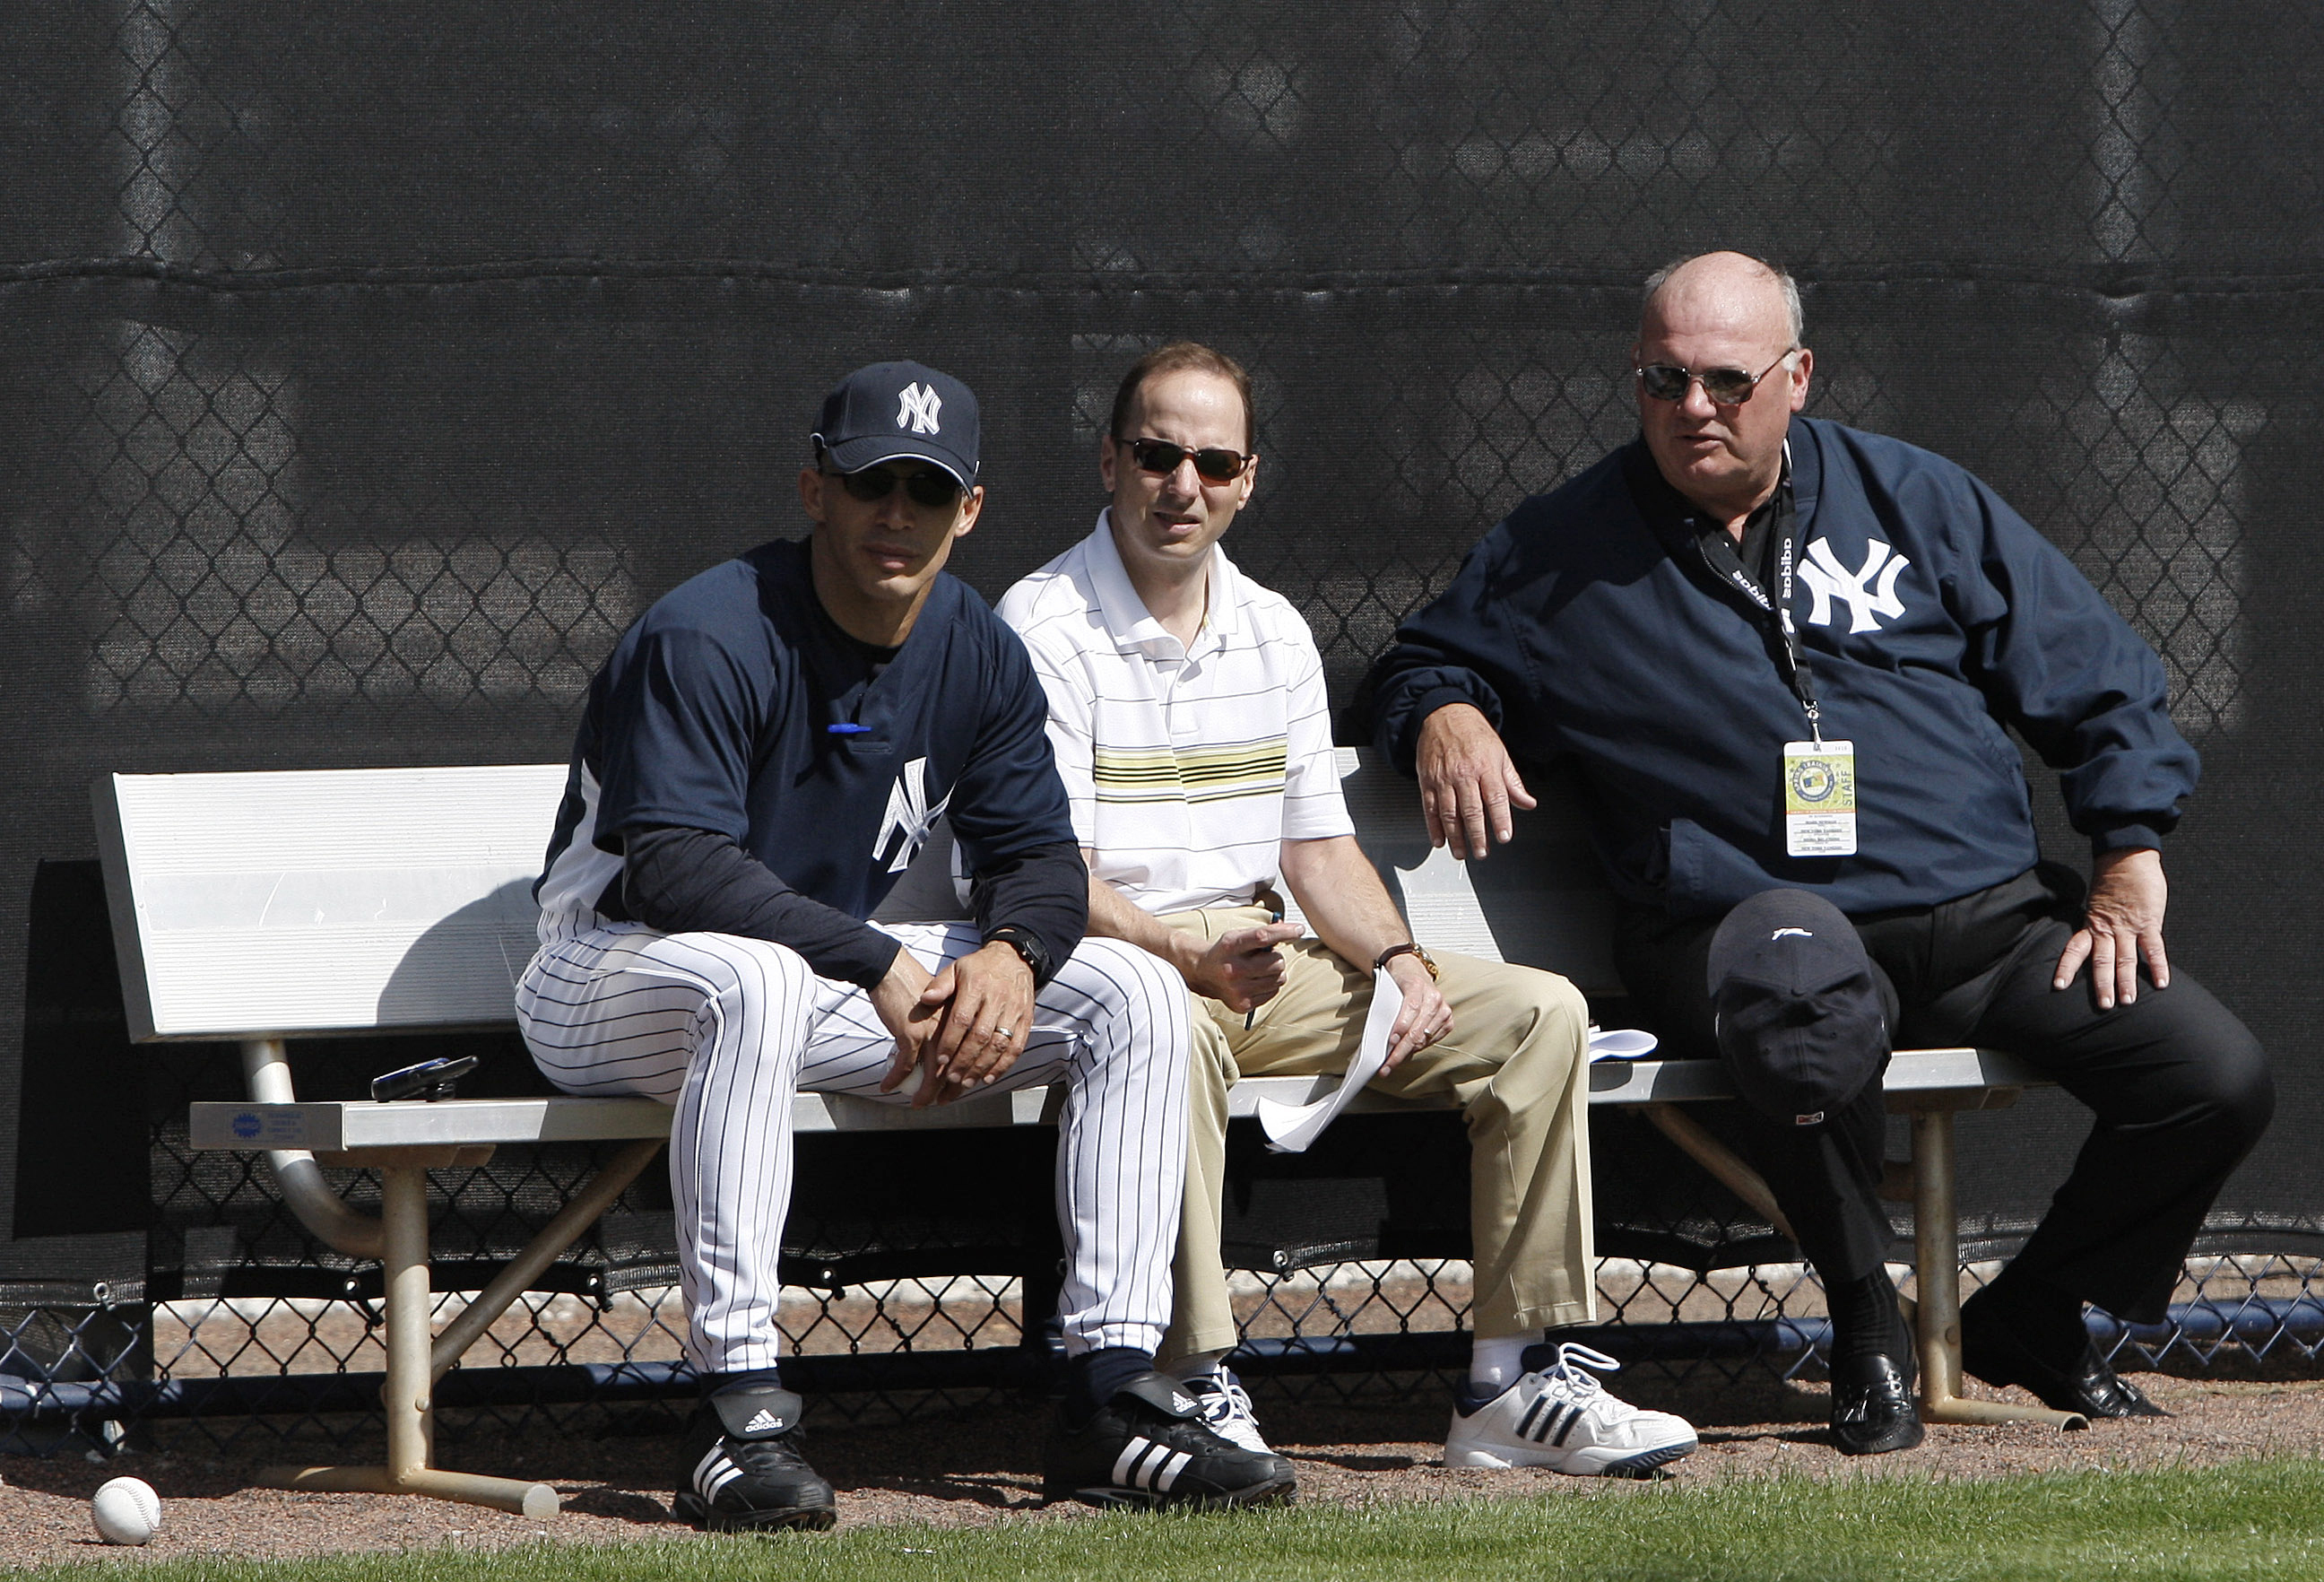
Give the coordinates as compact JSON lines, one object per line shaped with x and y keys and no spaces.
{"x":1619,"y":1043}
{"x":1292,"y":1127}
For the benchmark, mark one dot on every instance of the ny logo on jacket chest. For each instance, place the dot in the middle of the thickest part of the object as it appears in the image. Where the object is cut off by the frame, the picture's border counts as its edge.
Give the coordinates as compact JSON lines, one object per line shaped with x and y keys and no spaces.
{"x":1870,"y":593}
{"x":910,"y":818}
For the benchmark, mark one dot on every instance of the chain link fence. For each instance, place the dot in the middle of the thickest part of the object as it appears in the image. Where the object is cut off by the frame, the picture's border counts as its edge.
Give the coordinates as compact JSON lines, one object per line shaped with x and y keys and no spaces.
{"x":364,"y":374}
{"x":244,"y":1373}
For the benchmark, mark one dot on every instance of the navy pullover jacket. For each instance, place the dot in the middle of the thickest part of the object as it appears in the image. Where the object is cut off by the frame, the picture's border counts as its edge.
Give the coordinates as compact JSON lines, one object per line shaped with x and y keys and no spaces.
{"x":1931,"y":612}
{"x":736,"y":705}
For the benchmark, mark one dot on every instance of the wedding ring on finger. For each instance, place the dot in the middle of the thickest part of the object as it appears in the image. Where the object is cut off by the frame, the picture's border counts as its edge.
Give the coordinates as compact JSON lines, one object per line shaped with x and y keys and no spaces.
{"x":1003,"y":1032}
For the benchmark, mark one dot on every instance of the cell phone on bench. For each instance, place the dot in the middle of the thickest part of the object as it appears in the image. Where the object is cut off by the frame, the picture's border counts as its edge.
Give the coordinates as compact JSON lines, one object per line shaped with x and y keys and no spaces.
{"x":429,"y":1080}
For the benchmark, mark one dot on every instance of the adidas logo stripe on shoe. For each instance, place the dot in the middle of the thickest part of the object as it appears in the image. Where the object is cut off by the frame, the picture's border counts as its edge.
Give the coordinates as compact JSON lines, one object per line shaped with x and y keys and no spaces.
{"x":1145,"y":1465}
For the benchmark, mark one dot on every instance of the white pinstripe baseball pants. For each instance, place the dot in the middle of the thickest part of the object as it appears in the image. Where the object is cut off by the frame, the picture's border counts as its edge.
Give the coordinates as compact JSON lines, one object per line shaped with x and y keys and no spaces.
{"x":727,"y":1029}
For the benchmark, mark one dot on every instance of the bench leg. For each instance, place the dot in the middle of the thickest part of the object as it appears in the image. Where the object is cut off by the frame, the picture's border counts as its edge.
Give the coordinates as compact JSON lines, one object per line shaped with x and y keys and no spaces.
{"x":266,"y":1071}
{"x":1936,"y":1248}
{"x":1724,"y":1164}
{"x":582,"y":1211}
{"x":410,"y":1418}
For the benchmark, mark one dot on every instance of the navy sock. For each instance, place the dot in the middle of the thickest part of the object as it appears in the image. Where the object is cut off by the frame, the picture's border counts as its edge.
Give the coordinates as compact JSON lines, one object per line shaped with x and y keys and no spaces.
{"x":1865,"y":1321}
{"x":1093,"y":1377}
{"x":747,"y":1379}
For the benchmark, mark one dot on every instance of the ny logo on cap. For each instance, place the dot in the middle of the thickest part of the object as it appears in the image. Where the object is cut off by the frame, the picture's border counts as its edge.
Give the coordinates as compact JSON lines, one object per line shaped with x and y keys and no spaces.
{"x":919,"y":408}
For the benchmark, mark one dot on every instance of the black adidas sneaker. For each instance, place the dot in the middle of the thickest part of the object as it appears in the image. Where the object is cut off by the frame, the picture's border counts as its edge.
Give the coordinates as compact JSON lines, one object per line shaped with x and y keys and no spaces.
{"x":1148,"y":1447}
{"x":743,"y":1470}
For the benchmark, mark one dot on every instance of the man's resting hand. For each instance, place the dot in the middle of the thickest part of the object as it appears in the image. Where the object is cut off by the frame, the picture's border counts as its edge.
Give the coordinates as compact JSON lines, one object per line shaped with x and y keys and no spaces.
{"x":963,"y":1027}
{"x":2128,"y":895}
{"x":1467,"y":782}
{"x":1424,"y":1018}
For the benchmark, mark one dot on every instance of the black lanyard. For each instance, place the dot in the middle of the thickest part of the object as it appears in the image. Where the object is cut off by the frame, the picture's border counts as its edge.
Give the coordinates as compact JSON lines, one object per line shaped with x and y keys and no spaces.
{"x":1718,"y":553}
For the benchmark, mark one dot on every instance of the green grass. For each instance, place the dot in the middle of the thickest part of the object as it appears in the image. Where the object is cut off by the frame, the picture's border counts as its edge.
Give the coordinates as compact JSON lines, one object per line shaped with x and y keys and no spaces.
{"x":2260,"y":1519}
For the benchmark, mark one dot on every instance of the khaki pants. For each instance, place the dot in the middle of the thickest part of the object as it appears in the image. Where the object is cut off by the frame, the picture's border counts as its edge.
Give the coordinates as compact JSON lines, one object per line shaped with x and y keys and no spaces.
{"x":1518,"y":1064}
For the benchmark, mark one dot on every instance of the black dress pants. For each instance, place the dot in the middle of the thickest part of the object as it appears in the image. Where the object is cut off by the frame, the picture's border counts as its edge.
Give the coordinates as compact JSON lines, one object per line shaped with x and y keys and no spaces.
{"x":2179,"y":1087}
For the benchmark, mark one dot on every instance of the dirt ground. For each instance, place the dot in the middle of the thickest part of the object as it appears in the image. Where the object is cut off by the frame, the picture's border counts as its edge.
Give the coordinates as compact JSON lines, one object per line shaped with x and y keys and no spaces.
{"x":982,"y":1465}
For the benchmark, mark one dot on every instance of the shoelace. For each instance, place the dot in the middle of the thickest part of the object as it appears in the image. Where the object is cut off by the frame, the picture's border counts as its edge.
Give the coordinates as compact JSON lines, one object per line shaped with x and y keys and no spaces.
{"x":1582,"y":1386}
{"x":1231,"y":1400}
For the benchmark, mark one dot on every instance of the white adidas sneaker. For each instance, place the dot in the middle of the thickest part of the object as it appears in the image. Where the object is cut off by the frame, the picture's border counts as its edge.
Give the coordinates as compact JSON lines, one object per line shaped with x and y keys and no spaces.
{"x":1224,"y":1407}
{"x":1563,"y":1419}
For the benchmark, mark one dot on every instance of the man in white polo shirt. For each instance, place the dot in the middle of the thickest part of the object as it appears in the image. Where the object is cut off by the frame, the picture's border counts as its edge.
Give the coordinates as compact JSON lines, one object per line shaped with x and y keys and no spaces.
{"x":1187,"y":710}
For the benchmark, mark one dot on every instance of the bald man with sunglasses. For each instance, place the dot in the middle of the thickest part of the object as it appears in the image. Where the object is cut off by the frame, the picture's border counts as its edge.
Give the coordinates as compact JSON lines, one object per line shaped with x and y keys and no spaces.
{"x":1187,"y":707}
{"x":1785,"y":656}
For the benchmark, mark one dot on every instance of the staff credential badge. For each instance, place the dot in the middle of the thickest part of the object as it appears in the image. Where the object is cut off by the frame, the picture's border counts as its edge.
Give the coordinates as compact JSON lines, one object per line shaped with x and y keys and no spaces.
{"x":1819,"y":798}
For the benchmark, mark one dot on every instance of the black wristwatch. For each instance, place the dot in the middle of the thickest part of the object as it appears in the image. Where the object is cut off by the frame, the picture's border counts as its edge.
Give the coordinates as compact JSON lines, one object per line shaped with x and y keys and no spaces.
{"x":1028,"y":945}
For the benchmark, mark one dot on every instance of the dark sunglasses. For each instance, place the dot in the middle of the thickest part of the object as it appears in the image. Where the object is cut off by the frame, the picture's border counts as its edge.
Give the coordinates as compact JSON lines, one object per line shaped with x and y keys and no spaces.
{"x":925,"y":486}
{"x":1725,"y":386}
{"x":1214,"y":464}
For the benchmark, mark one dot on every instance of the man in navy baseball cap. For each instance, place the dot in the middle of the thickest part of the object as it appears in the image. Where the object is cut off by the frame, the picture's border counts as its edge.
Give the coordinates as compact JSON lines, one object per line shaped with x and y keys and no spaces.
{"x":1803,"y":1019}
{"x":890,"y":412}
{"x":759,"y":761}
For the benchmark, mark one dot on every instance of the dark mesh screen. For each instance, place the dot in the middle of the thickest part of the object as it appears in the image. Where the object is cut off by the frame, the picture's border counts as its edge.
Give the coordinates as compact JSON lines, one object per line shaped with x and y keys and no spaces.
{"x":364,"y":370}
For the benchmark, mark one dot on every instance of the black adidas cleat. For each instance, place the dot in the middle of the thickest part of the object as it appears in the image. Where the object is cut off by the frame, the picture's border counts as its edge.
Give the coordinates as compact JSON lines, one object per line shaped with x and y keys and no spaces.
{"x":742,"y":1471}
{"x":1147,"y":1448}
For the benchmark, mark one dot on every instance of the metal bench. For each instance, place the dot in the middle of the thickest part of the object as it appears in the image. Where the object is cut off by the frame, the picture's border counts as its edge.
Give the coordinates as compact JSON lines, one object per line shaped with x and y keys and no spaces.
{"x":261,"y":908}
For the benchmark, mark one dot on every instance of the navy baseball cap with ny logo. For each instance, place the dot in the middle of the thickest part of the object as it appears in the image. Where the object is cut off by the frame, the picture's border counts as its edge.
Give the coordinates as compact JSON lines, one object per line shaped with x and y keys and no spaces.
{"x":890,"y":411}
{"x":1802,"y":1017}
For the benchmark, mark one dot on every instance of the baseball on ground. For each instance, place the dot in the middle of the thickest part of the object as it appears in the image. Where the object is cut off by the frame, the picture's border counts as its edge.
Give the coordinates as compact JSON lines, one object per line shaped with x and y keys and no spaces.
{"x":126,"y":1510}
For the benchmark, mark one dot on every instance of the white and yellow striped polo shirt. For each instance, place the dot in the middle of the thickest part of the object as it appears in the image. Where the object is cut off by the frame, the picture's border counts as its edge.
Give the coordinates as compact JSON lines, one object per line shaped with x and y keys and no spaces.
{"x":1187,"y":770}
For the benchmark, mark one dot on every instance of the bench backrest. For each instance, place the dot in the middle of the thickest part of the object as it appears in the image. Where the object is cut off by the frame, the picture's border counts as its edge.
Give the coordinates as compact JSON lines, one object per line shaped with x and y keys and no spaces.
{"x":1542,"y":900}
{"x":319,"y":902}
{"x":323,"y":902}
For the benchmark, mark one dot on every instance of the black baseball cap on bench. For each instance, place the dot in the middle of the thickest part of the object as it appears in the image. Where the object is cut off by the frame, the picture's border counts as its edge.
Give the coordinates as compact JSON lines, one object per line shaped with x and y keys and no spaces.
{"x":1799,"y":1009}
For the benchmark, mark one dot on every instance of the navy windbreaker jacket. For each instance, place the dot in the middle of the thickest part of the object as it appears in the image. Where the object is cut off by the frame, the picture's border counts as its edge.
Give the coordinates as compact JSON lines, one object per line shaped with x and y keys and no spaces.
{"x":1931,"y":612}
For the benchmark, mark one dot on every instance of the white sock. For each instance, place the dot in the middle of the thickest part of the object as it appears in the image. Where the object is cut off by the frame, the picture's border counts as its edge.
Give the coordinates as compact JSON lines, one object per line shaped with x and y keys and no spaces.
{"x":1196,"y":1366}
{"x":1498,"y":1361}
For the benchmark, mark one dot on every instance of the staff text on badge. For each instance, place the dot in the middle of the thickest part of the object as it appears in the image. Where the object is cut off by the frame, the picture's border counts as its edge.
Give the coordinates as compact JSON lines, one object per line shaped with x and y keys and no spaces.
{"x":1819,"y":798}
